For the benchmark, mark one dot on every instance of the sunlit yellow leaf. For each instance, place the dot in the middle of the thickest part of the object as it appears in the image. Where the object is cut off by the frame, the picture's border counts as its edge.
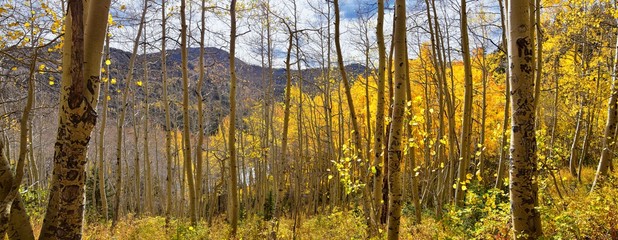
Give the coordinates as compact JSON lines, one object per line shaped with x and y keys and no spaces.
{"x":108,"y":62}
{"x":113,"y":81}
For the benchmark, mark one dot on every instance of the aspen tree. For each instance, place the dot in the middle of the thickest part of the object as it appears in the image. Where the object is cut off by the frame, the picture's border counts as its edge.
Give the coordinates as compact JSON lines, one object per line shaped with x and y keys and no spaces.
{"x":395,"y":153}
{"x":137,"y":182}
{"x":378,"y":147}
{"x":464,"y":154}
{"x":411,"y":153}
{"x":168,"y":125}
{"x":121,"y":118}
{"x":507,"y":90}
{"x":77,"y":117}
{"x":147,"y":165}
{"x":286,"y":122}
{"x":573,"y":156}
{"x":364,"y":168}
{"x":523,"y":168}
{"x":200,"y":116}
{"x":186,"y":134}
{"x":101,"y":163}
{"x":233,"y":181}
{"x":298,"y":165}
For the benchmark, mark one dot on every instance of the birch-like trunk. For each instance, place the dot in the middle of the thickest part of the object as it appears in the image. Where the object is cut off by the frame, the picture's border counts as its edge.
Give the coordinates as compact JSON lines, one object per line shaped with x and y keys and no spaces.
{"x":77,"y":117}
{"x":395,"y":153}
{"x":523,"y":167}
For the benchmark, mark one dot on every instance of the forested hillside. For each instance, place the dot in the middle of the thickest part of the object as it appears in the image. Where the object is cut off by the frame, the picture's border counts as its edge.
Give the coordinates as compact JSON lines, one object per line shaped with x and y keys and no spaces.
{"x":305,"y":119}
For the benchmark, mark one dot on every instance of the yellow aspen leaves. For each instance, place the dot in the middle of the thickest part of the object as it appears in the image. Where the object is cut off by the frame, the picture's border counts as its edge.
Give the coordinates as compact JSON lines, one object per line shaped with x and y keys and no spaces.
{"x":113,"y":81}
{"x":110,"y":20}
{"x":469,"y":176}
{"x":108,"y":62}
{"x":41,"y":67}
{"x":138,"y":83}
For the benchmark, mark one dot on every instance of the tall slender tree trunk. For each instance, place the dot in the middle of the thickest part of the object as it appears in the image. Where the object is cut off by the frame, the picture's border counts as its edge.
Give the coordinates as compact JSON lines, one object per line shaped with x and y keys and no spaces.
{"x":137,"y":194}
{"x":536,"y":22}
{"x":395,"y":153}
{"x":507,"y":91}
{"x":101,"y":164}
{"x":147,"y":165}
{"x":364,"y":168}
{"x":523,"y":167}
{"x":573,"y":156}
{"x":233,"y":211}
{"x":411,"y":149}
{"x":168,"y":125}
{"x":77,"y":117}
{"x":121,"y":118}
{"x":186,"y":135}
{"x":200,"y":116}
{"x":378,"y":147}
{"x":466,"y":132}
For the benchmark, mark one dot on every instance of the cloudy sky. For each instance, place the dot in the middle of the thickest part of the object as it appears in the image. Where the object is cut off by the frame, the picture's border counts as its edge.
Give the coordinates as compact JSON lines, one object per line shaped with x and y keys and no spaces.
{"x":355,"y":15}
{"x":248,"y":43}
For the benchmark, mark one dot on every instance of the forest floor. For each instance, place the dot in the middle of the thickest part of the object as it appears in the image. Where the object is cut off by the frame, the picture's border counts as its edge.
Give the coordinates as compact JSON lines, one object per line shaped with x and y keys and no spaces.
{"x":568,"y":211}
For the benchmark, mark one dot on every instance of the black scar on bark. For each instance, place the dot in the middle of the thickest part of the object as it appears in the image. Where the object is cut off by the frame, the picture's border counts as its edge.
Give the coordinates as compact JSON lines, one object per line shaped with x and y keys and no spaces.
{"x":70,"y":193}
{"x":523,"y":47}
{"x":90,"y":84}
